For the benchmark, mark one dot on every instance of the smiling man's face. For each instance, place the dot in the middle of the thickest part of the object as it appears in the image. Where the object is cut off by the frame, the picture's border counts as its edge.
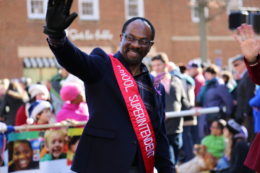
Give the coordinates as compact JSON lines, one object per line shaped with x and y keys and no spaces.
{"x":136,"y":32}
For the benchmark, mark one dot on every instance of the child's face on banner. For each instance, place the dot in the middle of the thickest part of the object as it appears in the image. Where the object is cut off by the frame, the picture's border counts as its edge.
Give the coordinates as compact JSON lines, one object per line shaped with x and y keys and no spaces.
{"x":56,"y":145}
{"x":22,"y":155}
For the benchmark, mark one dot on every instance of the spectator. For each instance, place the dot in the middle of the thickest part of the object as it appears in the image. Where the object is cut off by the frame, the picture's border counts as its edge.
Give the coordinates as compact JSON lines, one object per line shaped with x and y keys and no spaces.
{"x":255,"y":104}
{"x":3,"y":88}
{"x":74,"y":107}
{"x":40,"y":112}
{"x":244,"y":92}
{"x":238,"y":147}
{"x":190,"y":129}
{"x":176,"y":100}
{"x":36,"y":92}
{"x":213,"y":94}
{"x":13,"y":99}
{"x":56,"y":83}
{"x":195,"y":71}
{"x":215,"y":142}
{"x":229,"y":81}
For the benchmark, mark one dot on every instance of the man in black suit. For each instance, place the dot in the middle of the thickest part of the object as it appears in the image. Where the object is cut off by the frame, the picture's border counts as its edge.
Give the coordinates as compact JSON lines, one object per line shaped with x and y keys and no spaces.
{"x":124,"y":133}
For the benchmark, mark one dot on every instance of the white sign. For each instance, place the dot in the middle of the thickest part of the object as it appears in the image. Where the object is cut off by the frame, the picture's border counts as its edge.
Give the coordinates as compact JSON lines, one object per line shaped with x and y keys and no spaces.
{"x":75,"y":34}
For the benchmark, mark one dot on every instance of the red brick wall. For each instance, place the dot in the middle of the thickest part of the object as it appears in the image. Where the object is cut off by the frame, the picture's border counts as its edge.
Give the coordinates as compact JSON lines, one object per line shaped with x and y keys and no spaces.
{"x":170,"y":18}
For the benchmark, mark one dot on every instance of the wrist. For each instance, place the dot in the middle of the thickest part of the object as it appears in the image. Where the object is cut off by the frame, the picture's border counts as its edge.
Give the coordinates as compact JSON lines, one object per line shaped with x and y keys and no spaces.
{"x":54,"y":34}
{"x":253,"y":62}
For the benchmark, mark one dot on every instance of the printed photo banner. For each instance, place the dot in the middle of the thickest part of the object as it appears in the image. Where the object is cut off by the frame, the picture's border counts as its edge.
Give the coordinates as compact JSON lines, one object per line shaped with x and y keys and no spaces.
{"x":49,"y":151}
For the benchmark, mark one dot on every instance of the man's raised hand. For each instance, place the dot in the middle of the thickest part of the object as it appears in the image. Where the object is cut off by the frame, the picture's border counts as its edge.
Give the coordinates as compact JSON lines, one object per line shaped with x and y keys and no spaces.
{"x":58,"y":18}
{"x":250,"y":45}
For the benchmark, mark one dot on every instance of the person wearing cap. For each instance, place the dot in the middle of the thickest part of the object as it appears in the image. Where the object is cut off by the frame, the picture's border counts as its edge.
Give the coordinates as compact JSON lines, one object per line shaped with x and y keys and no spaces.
{"x":40,"y":112}
{"x":36,"y":92}
{"x":195,"y":71}
{"x":74,"y":107}
{"x":236,"y":149}
{"x":244,"y":92}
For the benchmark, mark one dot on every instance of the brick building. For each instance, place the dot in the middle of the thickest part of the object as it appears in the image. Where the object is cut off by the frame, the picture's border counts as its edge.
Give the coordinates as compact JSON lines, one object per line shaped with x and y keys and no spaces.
{"x":24,"y":50}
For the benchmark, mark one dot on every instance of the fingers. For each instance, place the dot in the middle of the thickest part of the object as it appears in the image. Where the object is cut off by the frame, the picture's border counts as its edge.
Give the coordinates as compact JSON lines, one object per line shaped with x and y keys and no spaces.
{"x":236,"y":37}
{"x":244,"y":32}
{"x":248,"y":31}
{"x":68,"y":6}
{"x":70,"y":19}
{"x":251,"y":32}
{"x":241,"y":33}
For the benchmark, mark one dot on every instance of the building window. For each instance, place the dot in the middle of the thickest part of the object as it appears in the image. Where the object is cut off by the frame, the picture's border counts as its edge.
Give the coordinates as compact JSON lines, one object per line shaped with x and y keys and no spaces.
{"x":134,"y":8}
{"x":36,"y":9}
{"x":195,"y":14}
{"x":89,"y":9}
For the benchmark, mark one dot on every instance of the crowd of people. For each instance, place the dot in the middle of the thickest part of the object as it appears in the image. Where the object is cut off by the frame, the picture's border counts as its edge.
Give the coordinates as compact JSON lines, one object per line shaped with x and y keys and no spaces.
{"x":224,"y":134}
{"x":127,"y":105}
{"x":60,"y":99}
{"x":191,"y":86}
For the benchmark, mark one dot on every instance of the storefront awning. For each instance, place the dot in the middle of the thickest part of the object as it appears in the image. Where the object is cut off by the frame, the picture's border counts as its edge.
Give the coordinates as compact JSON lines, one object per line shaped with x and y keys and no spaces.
{"x":40,"y":62}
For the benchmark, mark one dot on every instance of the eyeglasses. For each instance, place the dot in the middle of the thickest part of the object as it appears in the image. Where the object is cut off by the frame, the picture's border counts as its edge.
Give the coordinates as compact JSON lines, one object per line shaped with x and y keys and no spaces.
{"x":142,"y":42}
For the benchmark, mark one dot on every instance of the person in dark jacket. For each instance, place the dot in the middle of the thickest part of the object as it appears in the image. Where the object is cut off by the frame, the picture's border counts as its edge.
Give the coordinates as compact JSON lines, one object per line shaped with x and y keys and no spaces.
{"x":237,"y":148}
{"x":244,"y":92}
{"x":213,"y":94}
{"x":13,"y":99}
{"x":109,"y":142}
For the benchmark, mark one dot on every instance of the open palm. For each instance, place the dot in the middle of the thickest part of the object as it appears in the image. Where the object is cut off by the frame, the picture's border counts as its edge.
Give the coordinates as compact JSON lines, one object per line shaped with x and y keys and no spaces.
{"x":249,"y":43}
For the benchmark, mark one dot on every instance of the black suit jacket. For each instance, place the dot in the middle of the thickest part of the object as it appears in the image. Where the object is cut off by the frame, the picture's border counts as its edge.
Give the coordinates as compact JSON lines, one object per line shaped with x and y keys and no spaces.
{"x":244,"y":92}
{"x":108,"y":143}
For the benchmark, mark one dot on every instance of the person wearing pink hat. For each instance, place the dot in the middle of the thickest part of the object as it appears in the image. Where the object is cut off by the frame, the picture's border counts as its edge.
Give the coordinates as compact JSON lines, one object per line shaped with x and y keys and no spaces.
{"x":74,"y":107}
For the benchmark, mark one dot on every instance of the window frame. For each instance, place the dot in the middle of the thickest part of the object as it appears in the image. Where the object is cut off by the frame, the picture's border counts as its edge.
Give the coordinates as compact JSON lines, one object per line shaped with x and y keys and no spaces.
{"x":38,"y":15}
{"x":95,"y":15}
{"x":140,"y":9}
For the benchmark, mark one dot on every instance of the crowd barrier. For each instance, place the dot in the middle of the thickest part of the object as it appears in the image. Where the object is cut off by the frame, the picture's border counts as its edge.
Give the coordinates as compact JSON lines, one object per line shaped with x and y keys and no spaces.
{"x":50,"y":148}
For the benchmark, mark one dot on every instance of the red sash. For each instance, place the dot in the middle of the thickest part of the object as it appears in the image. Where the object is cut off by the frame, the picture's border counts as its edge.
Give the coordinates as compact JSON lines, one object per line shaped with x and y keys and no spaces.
{"x":137,"y":112}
